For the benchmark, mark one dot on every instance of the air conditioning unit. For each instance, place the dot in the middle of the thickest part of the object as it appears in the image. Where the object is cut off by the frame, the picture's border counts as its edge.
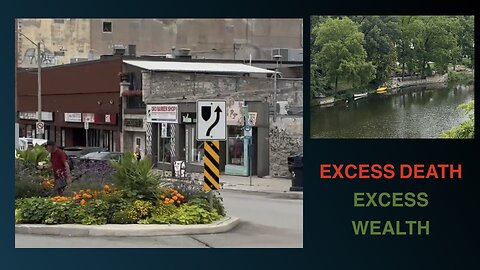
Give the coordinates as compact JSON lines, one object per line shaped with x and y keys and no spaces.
{"x":288,"y":54}
{"x":119,"y":50}
{"x":280,"y":51}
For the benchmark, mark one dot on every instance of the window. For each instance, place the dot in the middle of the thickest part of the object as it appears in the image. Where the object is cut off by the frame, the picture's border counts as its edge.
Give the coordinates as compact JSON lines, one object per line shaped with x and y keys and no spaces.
{"x":107,"y":27}
{"x":138,"y":141}
{"x":194,"y":147}
{"x":59,"y":20}
{"x":164,"y":143}
{"x":235,"y":146}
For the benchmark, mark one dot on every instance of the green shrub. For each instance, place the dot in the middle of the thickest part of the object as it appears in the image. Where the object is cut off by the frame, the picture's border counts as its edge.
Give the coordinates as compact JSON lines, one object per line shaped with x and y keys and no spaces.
{"x":466,"y":129}
{"x":34,"y":155}
{"x":464,"y":77}
{"x":46,"y":211}
{"x":203,"y":202}
{"x":133,"y":213}
{"x":28,"y":180}
{"x":123,"y":217}
{"x":193,"y":214}
{"x":115,"y":202}
{"x":136,"y":178}
{"x":188,"y":213}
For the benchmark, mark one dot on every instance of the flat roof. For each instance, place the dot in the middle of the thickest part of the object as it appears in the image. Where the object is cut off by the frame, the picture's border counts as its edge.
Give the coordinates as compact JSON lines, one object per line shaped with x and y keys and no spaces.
{"x":196,"y":67}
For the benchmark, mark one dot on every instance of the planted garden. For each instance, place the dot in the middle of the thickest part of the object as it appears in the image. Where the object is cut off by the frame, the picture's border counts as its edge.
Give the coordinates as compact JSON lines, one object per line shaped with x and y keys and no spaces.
{"x":123,"y":192}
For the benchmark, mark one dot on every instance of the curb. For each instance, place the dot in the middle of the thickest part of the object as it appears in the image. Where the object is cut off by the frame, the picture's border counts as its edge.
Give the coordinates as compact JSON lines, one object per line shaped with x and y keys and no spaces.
{"x":128,"y":230}
{"x":276,"y":195}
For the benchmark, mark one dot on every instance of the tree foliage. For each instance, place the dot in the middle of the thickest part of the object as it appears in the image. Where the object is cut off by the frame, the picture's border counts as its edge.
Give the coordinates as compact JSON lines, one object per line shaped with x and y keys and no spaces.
{"x":340,"y":52}
{"x":365,"y":49}
{"x":466,"y":130}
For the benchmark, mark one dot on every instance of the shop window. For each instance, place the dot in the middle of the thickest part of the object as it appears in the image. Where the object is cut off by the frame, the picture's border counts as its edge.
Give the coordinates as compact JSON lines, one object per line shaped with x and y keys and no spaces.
{"x":235,"y":146}
{"x":193,"y":147}
{"x":164,"y":143}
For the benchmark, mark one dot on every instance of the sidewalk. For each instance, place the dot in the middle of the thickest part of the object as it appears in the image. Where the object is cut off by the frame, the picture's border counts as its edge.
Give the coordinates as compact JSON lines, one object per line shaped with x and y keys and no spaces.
{"x":276,"y":186}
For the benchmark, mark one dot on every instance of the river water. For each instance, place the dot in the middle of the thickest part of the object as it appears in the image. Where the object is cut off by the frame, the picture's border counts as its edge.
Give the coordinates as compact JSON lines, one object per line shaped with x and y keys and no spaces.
{"x":422,"y":112}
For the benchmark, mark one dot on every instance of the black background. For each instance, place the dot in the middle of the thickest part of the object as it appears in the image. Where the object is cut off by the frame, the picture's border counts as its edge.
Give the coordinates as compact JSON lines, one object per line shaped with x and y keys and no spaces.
{"x":329,"y":242}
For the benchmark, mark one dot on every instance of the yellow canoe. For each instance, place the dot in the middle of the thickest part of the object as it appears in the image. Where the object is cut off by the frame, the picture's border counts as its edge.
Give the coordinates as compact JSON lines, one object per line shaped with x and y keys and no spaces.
{"x":382,"y":89}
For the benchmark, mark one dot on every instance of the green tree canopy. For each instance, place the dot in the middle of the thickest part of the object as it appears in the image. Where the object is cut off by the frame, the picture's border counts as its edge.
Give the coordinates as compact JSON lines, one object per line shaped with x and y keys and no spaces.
{"x":340,"y":52}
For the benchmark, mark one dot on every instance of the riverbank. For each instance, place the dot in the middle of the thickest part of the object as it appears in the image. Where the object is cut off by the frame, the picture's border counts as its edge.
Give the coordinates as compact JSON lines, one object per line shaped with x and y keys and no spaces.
{"x":414,"y":112}
{"x":395,"y":86}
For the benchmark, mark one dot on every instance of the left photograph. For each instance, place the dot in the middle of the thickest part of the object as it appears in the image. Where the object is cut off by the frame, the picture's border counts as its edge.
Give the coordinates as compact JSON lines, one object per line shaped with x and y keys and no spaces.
{"x":159,"y":133}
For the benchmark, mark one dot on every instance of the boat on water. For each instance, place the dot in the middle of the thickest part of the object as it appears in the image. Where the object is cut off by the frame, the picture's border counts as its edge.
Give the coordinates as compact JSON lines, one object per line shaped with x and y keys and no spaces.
{"x":359,"y":96}
{"x":381,"y":90}
{"x":326,"y":101}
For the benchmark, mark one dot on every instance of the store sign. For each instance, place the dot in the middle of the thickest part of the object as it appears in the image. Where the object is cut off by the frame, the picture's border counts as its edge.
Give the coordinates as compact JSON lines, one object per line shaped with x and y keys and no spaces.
{"x":107,"y":119}
{"x":136,"y":123}
{"x":166,"y":113}
{"x":46,"y":116}
{"x":88,"y":117}
{"x":234,"y":113}
{"x":73,"y":117}
{"x":189,"y":118}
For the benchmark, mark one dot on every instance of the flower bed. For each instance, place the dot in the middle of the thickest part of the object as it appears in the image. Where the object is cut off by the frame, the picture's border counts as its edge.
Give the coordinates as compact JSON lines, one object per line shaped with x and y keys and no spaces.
{"x":136,"y":197}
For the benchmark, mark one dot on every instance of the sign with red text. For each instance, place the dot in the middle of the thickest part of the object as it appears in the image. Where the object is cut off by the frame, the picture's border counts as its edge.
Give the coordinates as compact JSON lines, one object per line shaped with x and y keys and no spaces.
{"x":162,"y":113}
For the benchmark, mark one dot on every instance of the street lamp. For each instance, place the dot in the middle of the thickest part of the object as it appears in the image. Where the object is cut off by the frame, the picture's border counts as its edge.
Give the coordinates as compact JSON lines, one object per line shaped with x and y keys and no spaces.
{"x":39,"y":82}
{"x":277,"y":57}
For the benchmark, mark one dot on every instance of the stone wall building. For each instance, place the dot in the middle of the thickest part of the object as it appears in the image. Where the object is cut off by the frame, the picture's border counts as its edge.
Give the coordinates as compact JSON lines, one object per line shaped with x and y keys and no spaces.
{"x":177,"y":87}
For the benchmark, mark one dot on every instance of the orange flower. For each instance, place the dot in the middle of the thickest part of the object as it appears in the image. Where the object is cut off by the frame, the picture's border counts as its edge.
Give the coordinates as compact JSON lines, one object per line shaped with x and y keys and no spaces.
{"x":83,"y":202}
{"x":175,"y":198}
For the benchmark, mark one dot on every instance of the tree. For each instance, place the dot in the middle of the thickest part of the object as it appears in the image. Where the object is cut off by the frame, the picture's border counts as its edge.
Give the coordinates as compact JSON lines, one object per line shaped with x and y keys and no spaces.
{"x":381,"y":34}
{"x":466,"y":130}
{"x":339,"y":52}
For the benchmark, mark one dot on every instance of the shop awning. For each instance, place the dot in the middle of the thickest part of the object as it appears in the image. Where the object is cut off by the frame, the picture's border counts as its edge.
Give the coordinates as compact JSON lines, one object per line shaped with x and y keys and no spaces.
{"x":196,"y":67}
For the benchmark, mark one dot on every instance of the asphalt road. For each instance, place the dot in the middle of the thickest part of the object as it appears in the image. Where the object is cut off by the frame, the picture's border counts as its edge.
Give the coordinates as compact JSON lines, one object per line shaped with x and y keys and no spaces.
{"x":265,"y":222}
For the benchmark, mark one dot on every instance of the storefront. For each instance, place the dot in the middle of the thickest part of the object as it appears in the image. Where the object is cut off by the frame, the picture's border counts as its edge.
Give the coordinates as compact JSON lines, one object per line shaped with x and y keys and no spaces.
{"x":101,"y":130}
{"x":27,"y":124}
{"x":175,"y":140}
{"x":134,"y":133}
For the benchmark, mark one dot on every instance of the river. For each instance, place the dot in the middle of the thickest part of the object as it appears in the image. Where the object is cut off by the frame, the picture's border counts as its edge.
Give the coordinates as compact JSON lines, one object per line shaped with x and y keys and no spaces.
{"x":420,"y":112}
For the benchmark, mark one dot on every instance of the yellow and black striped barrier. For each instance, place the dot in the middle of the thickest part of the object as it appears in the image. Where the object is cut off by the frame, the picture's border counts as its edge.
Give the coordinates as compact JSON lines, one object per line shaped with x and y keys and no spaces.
{"x":211,"y":165}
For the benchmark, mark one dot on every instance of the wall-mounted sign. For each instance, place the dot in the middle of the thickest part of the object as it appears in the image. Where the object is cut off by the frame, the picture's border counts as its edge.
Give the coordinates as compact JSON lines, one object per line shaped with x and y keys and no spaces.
{"x":165,"y":113}
{"x":88,"y":117}
{"x":105,"y":118}
{"x":46,"y":116}
{"x":252,"y":118}
{"x":73,"y":117}
{"x":189,"y":118}
{"x":234,"y":113}
{"x":136,"y":123}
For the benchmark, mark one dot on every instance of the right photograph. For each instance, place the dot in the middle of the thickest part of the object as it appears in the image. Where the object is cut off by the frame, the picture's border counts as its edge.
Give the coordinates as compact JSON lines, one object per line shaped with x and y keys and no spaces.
{"x":392,"y":77}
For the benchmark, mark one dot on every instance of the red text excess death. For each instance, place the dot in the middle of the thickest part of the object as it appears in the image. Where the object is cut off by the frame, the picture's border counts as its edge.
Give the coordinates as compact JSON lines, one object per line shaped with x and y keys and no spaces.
{"x":390,"y":171}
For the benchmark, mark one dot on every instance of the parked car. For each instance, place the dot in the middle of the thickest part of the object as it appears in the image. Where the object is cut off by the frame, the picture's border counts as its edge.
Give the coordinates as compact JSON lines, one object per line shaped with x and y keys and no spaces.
{"x":102,"y":155}
{"x":80,"y":151}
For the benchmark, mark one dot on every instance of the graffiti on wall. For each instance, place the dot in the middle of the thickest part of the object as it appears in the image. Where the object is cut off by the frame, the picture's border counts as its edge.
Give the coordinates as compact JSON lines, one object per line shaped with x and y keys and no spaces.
{"x":47,"y":57}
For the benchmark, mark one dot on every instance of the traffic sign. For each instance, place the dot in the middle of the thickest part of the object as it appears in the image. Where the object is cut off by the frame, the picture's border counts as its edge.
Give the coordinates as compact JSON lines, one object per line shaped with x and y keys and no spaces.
{"x":40,"y":126}
{"x":86,"y":125}
{"x":211,"y":165}
{"x":211,"y":120}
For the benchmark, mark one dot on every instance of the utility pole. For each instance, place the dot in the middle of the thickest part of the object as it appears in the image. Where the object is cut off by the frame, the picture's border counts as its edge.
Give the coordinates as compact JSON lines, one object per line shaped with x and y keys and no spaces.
{"x":39,"y":82}
{"x":39,"y":93}
{"x":277,"y":58}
